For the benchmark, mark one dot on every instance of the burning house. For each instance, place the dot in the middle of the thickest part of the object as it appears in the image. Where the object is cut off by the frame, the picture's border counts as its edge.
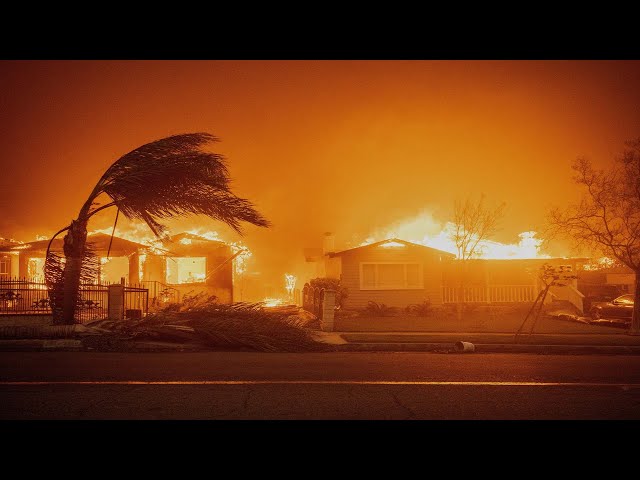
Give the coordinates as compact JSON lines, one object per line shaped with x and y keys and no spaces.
{"x":399,"y":273}
{"x":393,"y":272}
{"x":192,"y":264}
{"x":182,"y":264}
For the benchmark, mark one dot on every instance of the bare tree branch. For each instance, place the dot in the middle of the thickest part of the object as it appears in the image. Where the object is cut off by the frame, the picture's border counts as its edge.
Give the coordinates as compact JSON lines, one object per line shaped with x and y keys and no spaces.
{"x":607,"y":218}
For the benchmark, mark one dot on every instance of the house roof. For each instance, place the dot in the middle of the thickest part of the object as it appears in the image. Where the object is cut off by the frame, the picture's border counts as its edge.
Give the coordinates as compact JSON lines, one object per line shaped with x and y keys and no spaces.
{"x":388,"y":240}
{"x":7,"y":243}
{"x":99,"y":241}
{"x":191,"y":236}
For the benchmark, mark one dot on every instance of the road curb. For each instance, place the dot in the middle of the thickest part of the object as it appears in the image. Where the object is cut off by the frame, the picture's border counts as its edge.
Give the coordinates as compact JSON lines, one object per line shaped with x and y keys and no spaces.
{"x":32,"y":345}
{"x":492,"y":348}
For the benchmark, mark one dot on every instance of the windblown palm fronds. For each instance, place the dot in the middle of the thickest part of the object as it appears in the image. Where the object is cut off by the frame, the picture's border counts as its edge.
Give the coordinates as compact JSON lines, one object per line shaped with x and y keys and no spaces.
{"x":170,"y":177}
{"x":239,"y":325}
{"x":173,"y":177}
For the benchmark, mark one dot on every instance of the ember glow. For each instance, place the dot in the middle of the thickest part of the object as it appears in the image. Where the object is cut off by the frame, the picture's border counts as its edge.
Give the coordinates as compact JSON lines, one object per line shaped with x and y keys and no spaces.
{"x":599,"y":263}
{"x":186,"y":269}
{"x":290,"y":284}
{"x":385,"y":139}
{"x":424,"y":230}
{"x":271,"y":302}
{"x":36,"y":269}
{"x":140,"y":233}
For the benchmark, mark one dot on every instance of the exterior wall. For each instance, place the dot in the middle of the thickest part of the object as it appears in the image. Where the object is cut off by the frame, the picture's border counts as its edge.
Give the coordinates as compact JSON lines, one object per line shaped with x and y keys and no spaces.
{"x":504,"y":272}
{"x":333,"y":267}
{"x":23,"y":263}
{"x":432,"y":268}
{"x":134,"y":272}
{"x":220,"y":274}
{"x":622,"y":277}
{"x":13,"y":270}
{"x":154,"y":268}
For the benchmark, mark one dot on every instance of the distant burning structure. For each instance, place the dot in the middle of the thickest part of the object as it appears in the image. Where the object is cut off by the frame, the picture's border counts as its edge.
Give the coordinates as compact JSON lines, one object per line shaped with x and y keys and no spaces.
{"x":399,"y":273}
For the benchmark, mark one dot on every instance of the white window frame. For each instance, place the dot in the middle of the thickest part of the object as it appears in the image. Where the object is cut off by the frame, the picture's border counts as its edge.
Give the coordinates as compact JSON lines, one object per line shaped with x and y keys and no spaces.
{"x":420,"y":286}
{"x":6,"y":261}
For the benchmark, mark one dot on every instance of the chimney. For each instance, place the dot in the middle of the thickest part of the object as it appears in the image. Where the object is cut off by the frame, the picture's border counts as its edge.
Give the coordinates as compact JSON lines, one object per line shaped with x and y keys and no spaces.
{"x":328,"y":243}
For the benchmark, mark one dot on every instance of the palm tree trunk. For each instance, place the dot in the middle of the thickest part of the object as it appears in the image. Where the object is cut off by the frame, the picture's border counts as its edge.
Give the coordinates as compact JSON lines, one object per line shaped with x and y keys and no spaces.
{"x":74,"y":247}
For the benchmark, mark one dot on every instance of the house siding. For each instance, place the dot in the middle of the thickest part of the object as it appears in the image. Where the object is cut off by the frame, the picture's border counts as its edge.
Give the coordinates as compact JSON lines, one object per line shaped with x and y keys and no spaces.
{"x":432,"y":265}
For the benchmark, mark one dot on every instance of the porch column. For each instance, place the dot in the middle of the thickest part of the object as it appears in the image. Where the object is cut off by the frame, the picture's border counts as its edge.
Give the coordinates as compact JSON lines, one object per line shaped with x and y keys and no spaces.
{"x":134,"y":271}
{"x":116,"y":302}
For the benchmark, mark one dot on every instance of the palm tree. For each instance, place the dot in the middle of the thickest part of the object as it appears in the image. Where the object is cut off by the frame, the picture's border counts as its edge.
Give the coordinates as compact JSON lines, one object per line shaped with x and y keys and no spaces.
{"x":168,"y":178}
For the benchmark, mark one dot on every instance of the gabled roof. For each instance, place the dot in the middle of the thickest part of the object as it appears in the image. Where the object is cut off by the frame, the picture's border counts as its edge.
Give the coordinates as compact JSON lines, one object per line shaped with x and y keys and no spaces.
{"x":389,"y":240}
{"x":191,"y":236}
{"x":7,"y":243}
{"x":99,"y":241}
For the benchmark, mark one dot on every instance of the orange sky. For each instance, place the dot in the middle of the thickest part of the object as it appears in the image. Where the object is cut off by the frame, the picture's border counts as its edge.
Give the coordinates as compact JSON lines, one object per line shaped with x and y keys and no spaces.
{"x":343,"y":146}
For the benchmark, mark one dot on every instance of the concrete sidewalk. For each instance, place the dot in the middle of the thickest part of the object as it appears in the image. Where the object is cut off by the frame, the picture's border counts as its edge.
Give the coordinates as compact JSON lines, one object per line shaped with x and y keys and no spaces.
{"x":83,"y":338}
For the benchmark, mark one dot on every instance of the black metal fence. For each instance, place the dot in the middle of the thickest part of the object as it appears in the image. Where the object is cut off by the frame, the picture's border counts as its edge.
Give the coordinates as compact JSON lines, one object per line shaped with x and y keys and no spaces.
{"x":24,"y":297}
{"x":93,"y":304}
{"x":161,"y":294}
{"x":136,"y":302}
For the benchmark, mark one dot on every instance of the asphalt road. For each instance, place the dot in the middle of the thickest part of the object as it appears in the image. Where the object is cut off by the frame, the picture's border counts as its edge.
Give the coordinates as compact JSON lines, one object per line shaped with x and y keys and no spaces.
{"x":223,"y":385}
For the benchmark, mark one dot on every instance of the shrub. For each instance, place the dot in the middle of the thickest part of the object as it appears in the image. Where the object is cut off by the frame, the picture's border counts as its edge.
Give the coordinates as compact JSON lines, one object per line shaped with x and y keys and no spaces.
{"x":419,"y":309}
{"x":331,"y":284}
{"x":379,"y":310}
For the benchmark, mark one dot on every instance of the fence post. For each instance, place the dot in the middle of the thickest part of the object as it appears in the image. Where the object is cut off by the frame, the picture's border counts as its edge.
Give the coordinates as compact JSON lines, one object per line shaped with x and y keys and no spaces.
{"x":328,"y":305}
{"x":116,"y":302}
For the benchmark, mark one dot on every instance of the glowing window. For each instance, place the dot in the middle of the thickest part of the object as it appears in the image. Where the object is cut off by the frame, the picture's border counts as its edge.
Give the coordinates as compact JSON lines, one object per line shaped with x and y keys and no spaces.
{"x":5,"y":267}
{"x":35,"y":269}
{"x":186,"y":269}
{"x":390,"y":276}
{"x":112,"y":269}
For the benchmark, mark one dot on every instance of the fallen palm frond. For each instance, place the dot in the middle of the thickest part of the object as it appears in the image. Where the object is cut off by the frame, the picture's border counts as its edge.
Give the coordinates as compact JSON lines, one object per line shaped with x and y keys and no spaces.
{"x":238,"y":325}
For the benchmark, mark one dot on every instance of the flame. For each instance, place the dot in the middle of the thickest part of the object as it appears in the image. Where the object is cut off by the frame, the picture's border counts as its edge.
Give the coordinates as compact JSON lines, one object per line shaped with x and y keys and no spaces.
{"x":599,"y":264}
{"x":392,"y":244}
{"x":290,"y":281}
{"x":186,"y":269}
{"x":140,"y":233}
{"x":35,"y":269}
{"x":424,"y":230}
{"x":271,"y":302}
{"x":208,"y":234}
{"x":141,"y":260}
{"x":103,"y":261}
{"x":240,"y":262}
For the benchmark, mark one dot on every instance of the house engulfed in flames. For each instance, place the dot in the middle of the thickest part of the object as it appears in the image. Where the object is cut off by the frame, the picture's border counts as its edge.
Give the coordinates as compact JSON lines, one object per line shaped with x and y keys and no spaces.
{"x":399,"y":273}
{"x":184,"y":263}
